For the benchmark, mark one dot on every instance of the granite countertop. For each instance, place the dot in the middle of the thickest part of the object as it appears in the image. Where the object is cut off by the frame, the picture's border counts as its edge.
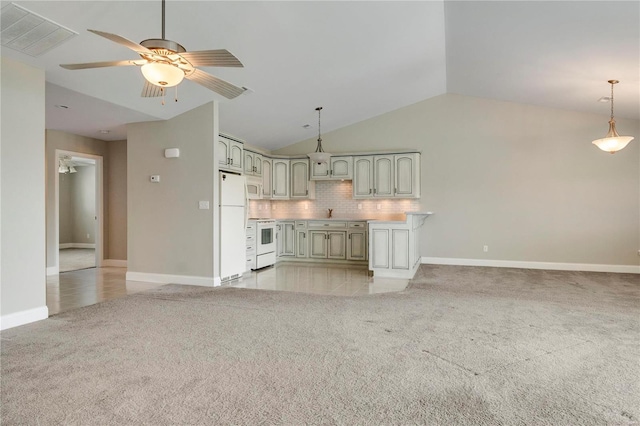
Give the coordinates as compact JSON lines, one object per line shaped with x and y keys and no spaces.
{"x":384,"y":219}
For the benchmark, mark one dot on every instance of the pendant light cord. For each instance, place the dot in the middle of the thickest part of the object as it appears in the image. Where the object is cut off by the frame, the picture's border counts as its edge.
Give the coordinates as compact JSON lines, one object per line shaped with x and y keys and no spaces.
{"x":612,"y":101}
{"x":319,"y":147}
{"x":163,"y":20}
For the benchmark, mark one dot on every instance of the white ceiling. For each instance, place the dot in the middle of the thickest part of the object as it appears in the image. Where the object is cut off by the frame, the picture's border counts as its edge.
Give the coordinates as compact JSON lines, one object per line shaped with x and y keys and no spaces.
{"x":356,"y":59}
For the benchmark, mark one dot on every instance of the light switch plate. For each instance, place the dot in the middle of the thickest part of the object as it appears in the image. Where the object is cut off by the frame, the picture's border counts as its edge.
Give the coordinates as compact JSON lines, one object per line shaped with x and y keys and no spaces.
{"x":203,"y":205}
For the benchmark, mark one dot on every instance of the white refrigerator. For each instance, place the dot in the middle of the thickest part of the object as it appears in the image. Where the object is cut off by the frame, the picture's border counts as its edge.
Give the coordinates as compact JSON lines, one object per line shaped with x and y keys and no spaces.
{"x":233,"y":217}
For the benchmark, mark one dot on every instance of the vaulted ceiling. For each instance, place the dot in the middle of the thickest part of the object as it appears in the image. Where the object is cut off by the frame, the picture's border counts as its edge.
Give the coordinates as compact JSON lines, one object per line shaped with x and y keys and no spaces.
{"x":356,"y":59}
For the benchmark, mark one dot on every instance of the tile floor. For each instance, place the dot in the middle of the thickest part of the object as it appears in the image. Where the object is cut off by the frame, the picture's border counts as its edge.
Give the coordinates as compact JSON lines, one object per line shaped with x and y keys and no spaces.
{"x":74,"y":289}
{"x":316,"y":278}
{"x":72,"y":259}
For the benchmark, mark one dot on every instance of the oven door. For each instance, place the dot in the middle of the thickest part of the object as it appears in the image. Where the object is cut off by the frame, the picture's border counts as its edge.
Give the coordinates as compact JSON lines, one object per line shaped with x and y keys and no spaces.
{"x":266,"y":238}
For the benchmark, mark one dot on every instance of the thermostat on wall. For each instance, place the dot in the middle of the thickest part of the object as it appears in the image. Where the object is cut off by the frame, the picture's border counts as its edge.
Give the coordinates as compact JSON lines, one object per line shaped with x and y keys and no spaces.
{"x":172,"y":152}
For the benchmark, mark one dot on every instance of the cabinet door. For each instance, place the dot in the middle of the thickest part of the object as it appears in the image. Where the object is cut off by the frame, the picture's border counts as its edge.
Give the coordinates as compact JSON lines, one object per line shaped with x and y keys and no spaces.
{"x":279,"y":235}
{"x":320,"y":171}
{"x":266,"y":178}
{"x":400,"y":249}
{"x":223,"y":153}
{"x":407,"y":175}
{"x":337,"y":248}
{"x":380,"y":239}
{"x":342,"y":167}
{"x":318,"y":244}
{"x":363,"y":177}
{"x":288,"y":239}
{"x":280,"y":180}
{"x":301,"y":243}
{"x":299,"y":178}
{"x":236,"y":154}
{"x":383,"y":176}
{"x":257,"y":165}
{"x":248,"y":163}
{"x":357,"y":245}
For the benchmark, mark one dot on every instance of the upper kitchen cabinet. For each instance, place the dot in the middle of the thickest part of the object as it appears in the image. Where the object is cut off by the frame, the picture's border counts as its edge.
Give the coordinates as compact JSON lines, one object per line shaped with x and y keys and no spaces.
{"x":337,"y":168}
{"x":280,"y":181}
{"x":387,"y":176}
{"x":363,"y":177}
{"x":300,"y":185}
{"x":267,"y":177}
{"x":230,"y":153}
{"x":252,"y":163}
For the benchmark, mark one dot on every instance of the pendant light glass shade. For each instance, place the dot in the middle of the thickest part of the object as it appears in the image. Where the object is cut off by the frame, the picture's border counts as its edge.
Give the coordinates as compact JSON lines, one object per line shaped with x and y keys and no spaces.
{"x":319,"y":156}
{"x":163,"y":75}
{"x":612,"y":142}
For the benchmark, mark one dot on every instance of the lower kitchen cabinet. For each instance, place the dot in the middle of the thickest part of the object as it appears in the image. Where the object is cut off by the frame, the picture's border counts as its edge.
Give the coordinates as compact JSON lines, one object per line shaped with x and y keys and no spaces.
{"x":357,"y":245}
{"x":285,"y":239}
{"x":327,"y":244}
{"x":301,"y":244}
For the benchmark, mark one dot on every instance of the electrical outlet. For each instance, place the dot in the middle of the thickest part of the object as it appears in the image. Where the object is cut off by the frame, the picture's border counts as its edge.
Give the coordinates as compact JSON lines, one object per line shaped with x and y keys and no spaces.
{"x":259,"y":206}
{"x":88,"y":236}
{"x":359,"y":206}
{"x":378,"y":206}
{"x":485,"y":248}
{"x":155,"y":178}
{"x":203,"y":205}
{"x":273,"y":207}
{"x":306,"y":206}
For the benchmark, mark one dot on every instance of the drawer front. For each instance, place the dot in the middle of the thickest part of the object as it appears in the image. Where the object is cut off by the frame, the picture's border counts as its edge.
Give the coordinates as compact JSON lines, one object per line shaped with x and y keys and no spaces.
{"x":301,"y":224}
{"x":251,"y":248}
{"x":251,"y":240}
{"x":251,"y":262}
{"x":360,"y":225}
{"x":251,"y":229}
{"x":325,"y":224}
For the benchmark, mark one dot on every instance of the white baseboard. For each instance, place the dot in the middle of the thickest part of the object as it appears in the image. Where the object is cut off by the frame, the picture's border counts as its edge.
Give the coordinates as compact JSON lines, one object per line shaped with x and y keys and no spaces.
{"x":76,"y":245}
{"x":586,"y":267}
{"x":53,"y":270}
{"x":170,"y":279}
{"x":23,"y":317}
{"x":114,"y":263}
{"x":217,"y":282}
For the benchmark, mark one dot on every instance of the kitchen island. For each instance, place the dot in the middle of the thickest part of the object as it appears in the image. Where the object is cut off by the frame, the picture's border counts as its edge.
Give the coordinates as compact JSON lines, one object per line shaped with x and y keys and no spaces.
{"x":394,"y":246}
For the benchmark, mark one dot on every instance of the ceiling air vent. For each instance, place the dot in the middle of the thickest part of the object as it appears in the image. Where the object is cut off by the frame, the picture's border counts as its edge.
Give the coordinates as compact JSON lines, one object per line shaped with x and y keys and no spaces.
{"x":26,"y":32}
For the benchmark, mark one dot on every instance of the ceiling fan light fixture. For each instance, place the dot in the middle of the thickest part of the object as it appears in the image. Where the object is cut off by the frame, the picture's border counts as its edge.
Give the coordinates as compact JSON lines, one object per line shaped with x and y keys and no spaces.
{"x":162,"y":75}
{"x":612,"y":142}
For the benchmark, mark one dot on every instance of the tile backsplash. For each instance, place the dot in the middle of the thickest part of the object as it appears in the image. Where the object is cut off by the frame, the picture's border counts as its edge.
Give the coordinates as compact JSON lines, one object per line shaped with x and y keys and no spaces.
{"x":336,"y":195}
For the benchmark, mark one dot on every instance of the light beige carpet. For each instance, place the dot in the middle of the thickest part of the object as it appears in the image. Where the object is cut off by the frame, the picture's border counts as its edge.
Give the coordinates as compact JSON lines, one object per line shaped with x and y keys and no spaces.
{"x":461,"y":345}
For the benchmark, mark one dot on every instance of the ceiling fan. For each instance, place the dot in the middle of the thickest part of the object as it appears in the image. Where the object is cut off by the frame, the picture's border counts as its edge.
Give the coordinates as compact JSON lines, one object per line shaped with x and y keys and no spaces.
{"x":165,"y":63}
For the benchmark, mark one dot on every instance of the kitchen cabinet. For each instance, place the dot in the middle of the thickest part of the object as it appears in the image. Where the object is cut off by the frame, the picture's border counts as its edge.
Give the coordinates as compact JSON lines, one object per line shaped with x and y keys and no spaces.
{"x":394,"y":247}
{"x":327,"y":244}
{"x":280,"y":181}
{"x":252,"y":163}
{"x":300,"y":185}
{"x":285,"y":239}
{"x":363,"y":177}
{"x":230,"y":154}
{"x":301,"y":239}
{"x":357,"y":241}
{"x":338,"y":168}
{"x":267,"y":177}
{"x":387,"y":176}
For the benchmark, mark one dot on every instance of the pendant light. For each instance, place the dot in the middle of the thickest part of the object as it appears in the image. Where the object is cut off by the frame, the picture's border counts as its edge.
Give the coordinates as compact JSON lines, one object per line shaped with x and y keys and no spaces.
{"x":612,"y":142}
{"x":319,"y":156}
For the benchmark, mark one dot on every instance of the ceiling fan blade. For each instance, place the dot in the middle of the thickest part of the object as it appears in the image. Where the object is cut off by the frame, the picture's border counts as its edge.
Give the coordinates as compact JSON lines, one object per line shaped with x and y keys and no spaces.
{"x":151,"y":90}
{"x":123,"y":41}
{"x":98,"y":65}
{"x":215,"y":84}
{"x":212,"y":58}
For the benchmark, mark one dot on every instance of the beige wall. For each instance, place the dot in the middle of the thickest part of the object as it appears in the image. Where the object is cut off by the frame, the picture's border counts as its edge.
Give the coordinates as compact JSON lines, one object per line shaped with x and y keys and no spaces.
{"x":524,"y":180}
{"x":116,"y":173}
{"x":22,"y":191}
{"x":84,"y":205}
{"x":167,"y":233}
{"x":65,"y":221}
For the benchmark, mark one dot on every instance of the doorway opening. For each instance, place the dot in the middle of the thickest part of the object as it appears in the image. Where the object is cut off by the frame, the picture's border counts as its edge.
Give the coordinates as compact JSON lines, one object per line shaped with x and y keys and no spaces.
{"x":79,"y":210}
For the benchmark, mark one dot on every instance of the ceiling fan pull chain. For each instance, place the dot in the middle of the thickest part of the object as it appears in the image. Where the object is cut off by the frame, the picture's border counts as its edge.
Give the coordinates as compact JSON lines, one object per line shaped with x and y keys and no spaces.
{"x":176,"y":93}
{"x":162,"y":90}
